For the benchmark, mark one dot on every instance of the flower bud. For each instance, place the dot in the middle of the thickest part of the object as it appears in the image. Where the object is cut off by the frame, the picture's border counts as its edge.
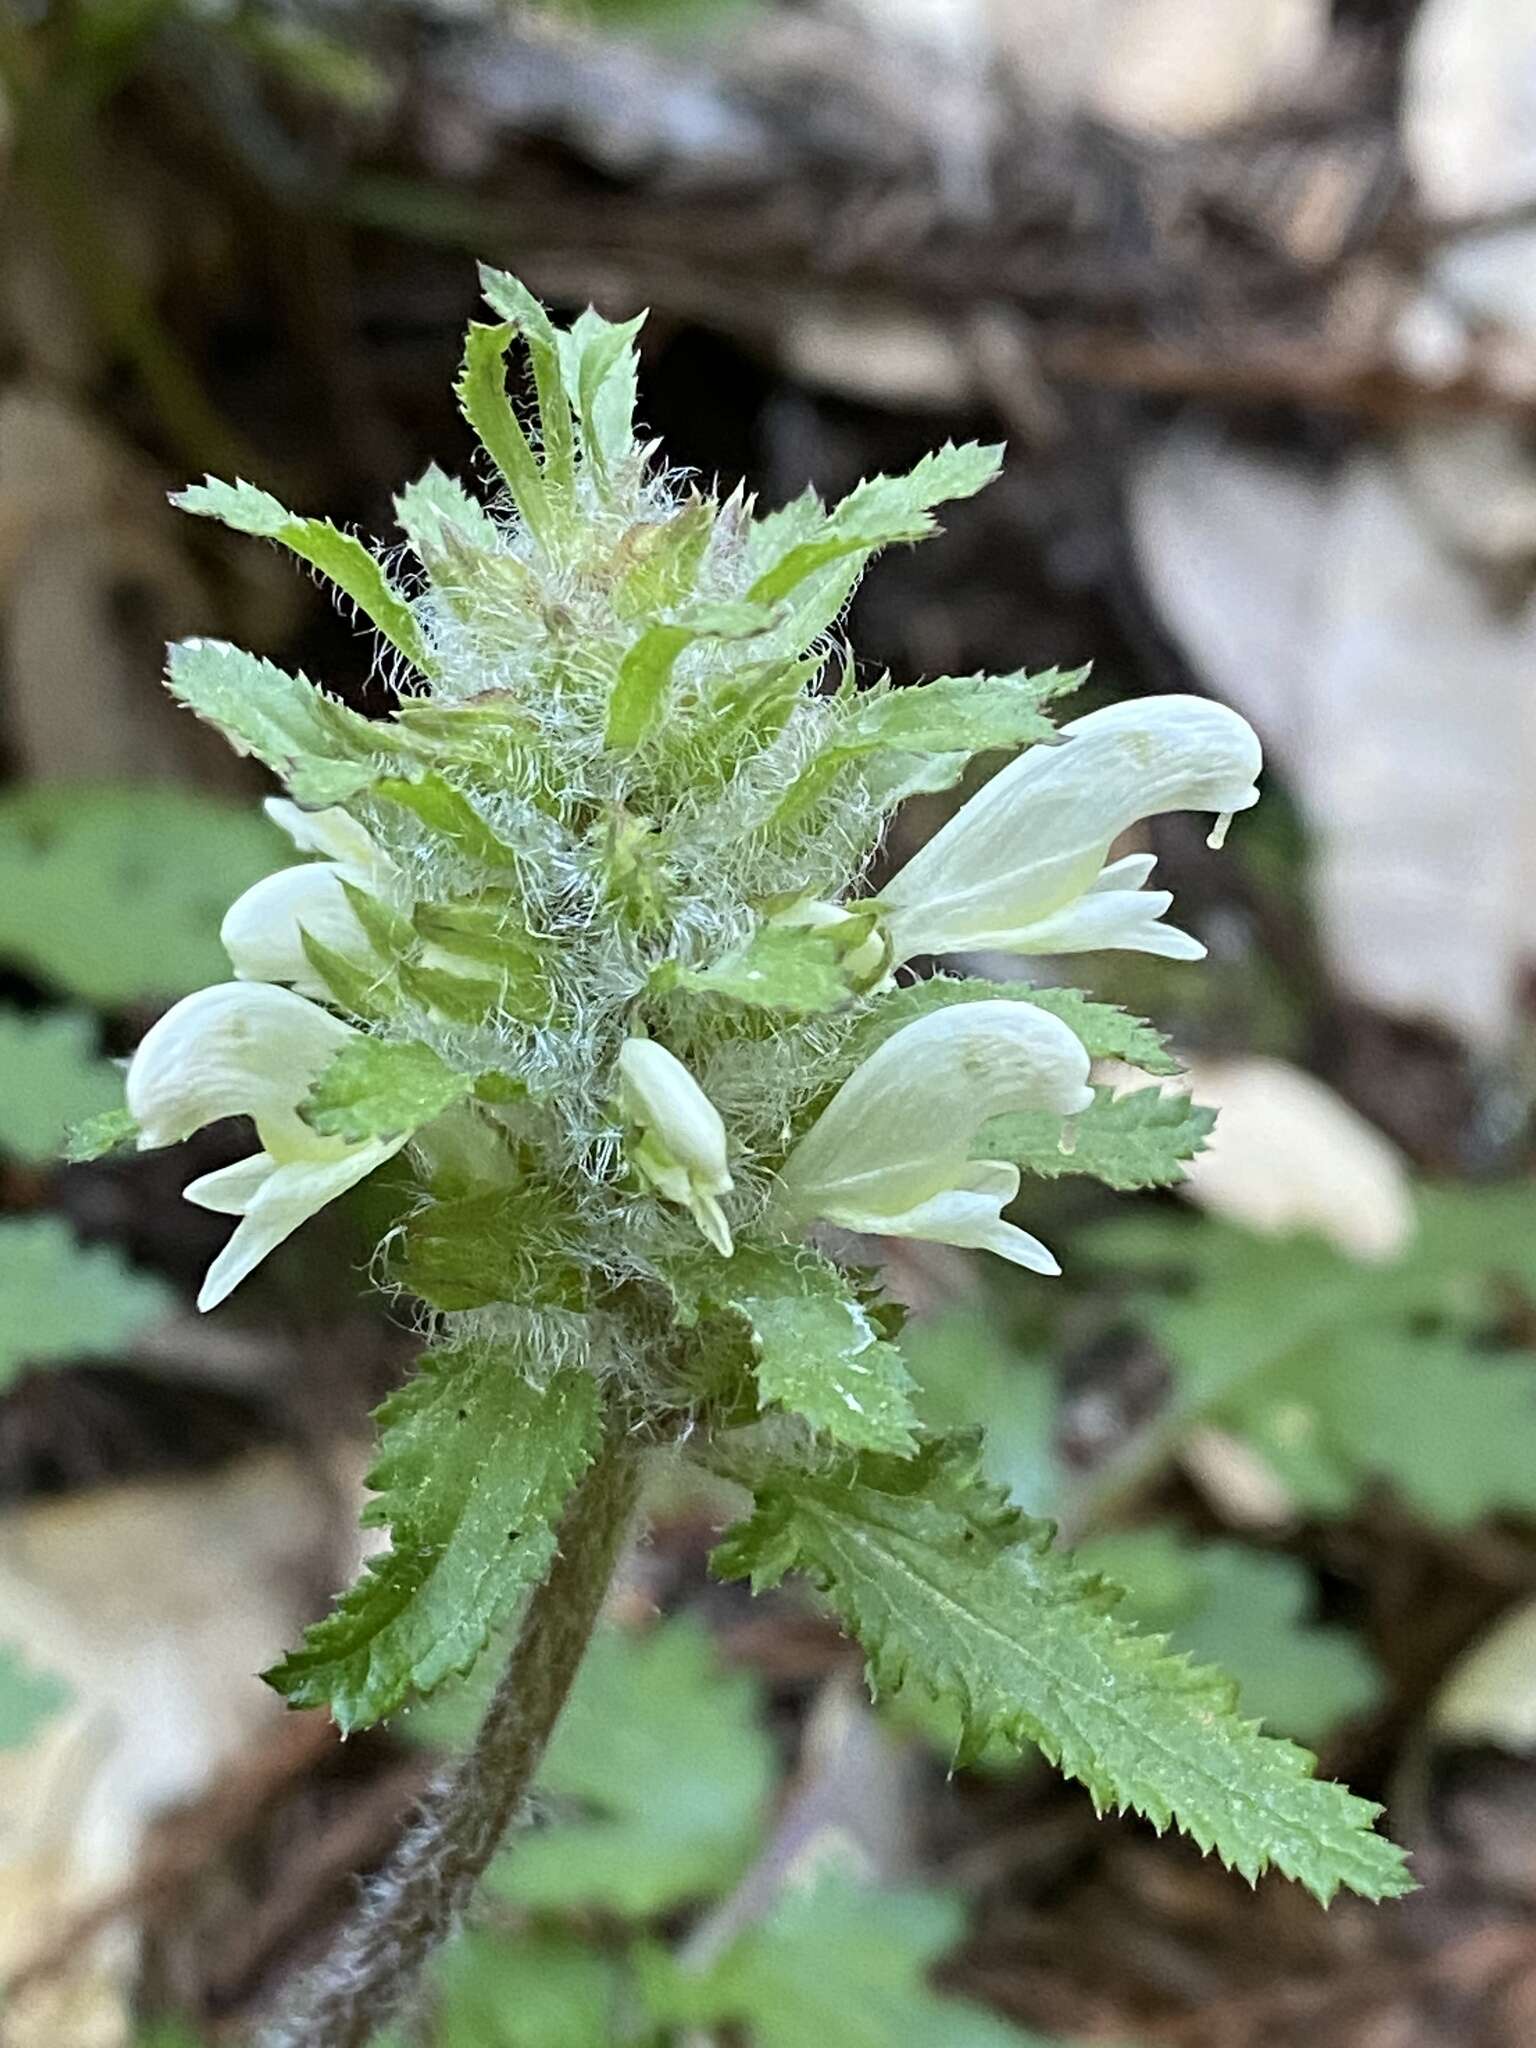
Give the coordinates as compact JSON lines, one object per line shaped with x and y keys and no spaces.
{"x":1021,"y":867}
{"x":890,"y":1155}
{"x":263,"y":930}
{"x":680,"y":1139}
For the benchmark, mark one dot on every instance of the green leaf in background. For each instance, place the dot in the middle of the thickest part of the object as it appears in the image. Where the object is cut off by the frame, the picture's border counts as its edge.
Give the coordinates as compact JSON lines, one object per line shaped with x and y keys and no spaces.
{"x":835,"y":1962}
{"x":968,"y":1373}
{"x":948,"y":1588}
{"x":1143,"y":1139}
{"x":54,"y":1077}
{"x":96,"y":1137}
{"x":1248,"y":1611}
{"x":61,"y":1300}
{"x":819,"y":1353}
{"x":669,"y":1773}
{"x":377,"y":1089}
{"x":1340,"y":1373}
{"x":473,"y":1470}
{"x":117,"y":895}
{"x":340,"y":557}
{"x":530,"y":1990}
{"x":28,"y":1698}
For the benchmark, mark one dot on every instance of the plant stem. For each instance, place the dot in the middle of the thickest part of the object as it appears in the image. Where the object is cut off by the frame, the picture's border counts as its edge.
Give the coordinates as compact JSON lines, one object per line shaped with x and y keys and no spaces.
{"x":416,"y":1902}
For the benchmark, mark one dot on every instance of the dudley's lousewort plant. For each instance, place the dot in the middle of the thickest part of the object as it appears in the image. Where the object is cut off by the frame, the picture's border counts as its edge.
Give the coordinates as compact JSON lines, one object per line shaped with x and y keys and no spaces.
{"x":587,"y":938}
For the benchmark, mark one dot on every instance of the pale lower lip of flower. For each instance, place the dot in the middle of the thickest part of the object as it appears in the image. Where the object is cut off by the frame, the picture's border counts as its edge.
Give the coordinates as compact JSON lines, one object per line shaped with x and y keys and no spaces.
{"x":273,"y":1198}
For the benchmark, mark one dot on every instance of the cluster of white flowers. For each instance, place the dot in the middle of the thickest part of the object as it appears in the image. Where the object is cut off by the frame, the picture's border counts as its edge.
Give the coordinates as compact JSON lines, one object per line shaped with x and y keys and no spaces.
{"x":1022,"y":867}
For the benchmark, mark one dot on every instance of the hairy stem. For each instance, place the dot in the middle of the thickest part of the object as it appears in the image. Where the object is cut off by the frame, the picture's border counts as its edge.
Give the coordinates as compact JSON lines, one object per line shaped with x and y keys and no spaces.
{"x":417,"y":1900}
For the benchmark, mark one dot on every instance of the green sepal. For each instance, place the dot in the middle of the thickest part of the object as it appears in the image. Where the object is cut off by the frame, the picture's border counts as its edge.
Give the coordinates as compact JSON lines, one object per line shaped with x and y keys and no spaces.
{"x":483,"y":400}
{"x":491,"y":1245}
{"x":362,"y":991}
{"x":341,"y":557}
{"x":461,"y":998}
{"x":657,"y":566}
{"x":645,"y":674}
{"x":475,"y":1465}
{"x":447,"y":812}
{"x":779,"y":968}
{"x":512,"y":299}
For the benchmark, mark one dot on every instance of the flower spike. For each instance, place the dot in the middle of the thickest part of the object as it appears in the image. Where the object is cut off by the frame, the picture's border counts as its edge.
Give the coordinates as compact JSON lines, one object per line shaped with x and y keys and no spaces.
{"x":890,"y":1155}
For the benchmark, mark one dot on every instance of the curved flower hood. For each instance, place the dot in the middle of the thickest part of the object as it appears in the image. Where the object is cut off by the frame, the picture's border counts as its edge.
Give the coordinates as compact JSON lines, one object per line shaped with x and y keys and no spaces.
{"x":890,"y":1154}
{"x":246,"y":1049}
{"x":1021,"y":867}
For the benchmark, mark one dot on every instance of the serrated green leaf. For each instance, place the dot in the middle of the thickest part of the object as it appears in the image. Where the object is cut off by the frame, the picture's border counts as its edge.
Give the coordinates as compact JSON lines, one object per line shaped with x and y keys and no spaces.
{"x":645,"y":674}
{"x":118,"y":894}
{"x":666,"y":1771}
{"x":340,"y":557}
{"x":1139,"y":1140}
{"x":834,"y":1961}
{"x":949,"y":1589}
{"x":437,"y":510}
{"x":447,"y":812}
{"x":511,"y":298}
{"x":323,"y":751}
{"x":97,"y":1137}
{"x":779,"y":968}
{"x":61,"y":1300}
{"x":483,"y":400}
{"x":1249,"y":1612}
{"x":598,"y":358}
{"x":952,"y":717}
{"x":883,"y":510}
{"x":475,"y":1464}
{"x":491,"y":1245}
{"x":28,"y":1698}
{"x":54,"y":1077}
{"x":375,"y":1089}
{"x":819,"y":1352}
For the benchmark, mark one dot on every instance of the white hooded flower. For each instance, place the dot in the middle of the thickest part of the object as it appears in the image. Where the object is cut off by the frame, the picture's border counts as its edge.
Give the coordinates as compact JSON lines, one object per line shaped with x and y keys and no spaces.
{"x":890,"y":1154}
{"x":680,"y":1138}
{"x":1021,"y":867}
{"x":245,"y":1049}
{"x":263,"y":931}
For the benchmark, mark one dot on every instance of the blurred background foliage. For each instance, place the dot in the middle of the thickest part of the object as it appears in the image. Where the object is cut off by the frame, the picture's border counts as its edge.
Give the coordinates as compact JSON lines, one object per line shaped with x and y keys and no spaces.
{"x":1247,"y":286}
